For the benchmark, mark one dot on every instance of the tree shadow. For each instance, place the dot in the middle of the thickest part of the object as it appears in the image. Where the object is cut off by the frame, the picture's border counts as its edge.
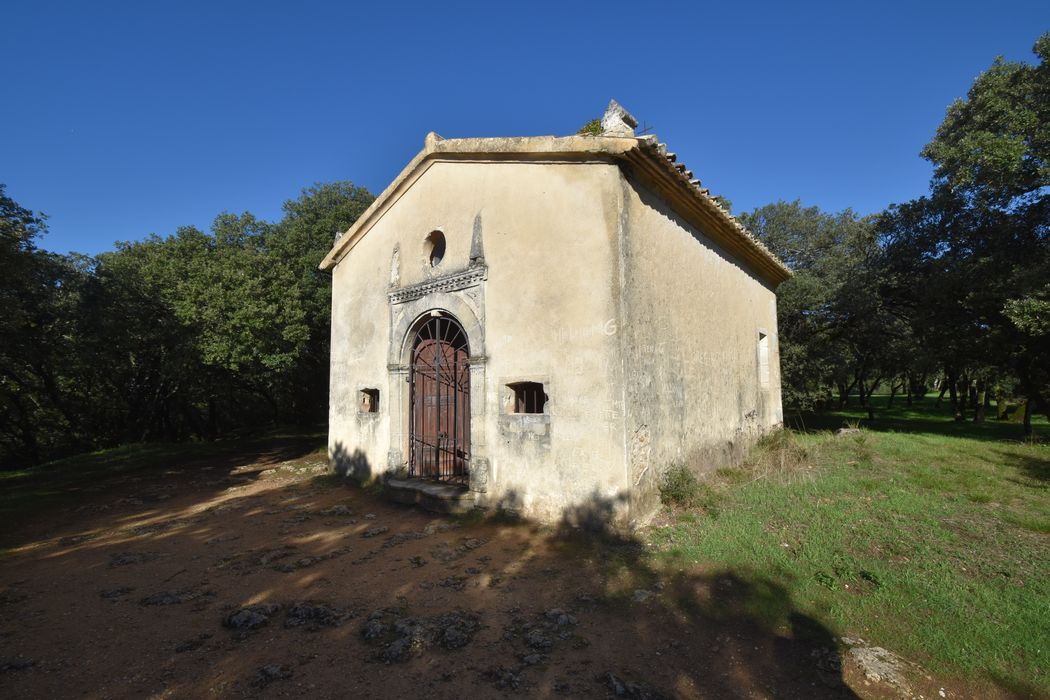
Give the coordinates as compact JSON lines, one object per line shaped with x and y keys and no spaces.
{"x":353,"y":465}
{"x":1033,"y":466}
{"x":925,"y":419}
{"x":479,"y":605}
{"x":61,"y":488}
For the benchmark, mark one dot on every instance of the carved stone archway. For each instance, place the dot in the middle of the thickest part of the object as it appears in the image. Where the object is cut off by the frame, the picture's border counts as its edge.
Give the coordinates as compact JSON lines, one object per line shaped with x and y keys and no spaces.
{"x":408,"y":315}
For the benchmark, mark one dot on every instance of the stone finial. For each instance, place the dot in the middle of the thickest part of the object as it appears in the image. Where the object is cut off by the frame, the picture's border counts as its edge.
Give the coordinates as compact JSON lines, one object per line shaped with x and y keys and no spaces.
{"x":395,"y":267}
{"x":477,"y":249}
{"x":617,"y":121}
{"x":431,"y":140}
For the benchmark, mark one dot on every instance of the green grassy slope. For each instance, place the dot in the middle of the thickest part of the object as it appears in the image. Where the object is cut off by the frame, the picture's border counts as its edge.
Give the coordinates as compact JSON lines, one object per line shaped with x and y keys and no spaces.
{"x":919,"y":534}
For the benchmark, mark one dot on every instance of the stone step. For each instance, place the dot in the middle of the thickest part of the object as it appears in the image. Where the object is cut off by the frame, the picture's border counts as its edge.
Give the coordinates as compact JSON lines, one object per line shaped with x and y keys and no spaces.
{"x":433,"y":496}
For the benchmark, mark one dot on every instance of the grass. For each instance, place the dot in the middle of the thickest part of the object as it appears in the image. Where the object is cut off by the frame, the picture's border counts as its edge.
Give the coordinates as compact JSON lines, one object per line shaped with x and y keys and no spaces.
{"x":918,"y":534}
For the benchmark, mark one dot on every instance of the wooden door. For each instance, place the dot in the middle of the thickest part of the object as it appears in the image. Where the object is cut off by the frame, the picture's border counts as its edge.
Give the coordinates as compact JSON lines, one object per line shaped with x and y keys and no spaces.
{"x":440,"y":402}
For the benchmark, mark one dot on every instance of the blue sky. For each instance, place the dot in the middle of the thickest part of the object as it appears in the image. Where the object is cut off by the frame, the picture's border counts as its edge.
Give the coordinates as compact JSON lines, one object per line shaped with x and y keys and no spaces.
{"x":125,"y":119}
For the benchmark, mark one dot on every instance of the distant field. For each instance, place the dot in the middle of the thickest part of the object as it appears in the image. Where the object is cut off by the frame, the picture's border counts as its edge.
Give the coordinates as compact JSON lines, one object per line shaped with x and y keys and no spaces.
{"x":923,"y":535}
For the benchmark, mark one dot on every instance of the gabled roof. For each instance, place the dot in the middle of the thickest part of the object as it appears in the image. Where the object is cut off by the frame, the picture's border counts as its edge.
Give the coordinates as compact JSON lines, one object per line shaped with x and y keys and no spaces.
{"x":642,"y":157}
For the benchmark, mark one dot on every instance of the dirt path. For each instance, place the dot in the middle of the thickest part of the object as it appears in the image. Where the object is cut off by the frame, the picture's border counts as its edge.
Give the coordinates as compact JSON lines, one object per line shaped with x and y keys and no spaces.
{"x":265,"y":578}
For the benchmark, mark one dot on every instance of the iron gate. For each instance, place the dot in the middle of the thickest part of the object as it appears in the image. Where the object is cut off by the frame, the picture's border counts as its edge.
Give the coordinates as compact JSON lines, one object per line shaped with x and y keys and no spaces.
{"x":439,"y":412}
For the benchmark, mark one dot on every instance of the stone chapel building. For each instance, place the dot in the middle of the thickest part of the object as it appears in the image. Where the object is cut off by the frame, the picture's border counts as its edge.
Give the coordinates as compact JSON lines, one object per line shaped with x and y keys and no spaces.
{"x":547,"y":324}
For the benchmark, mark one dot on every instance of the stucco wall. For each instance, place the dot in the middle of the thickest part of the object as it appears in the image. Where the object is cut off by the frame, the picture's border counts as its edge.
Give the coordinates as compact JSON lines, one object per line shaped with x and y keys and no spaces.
{"x":548,"y":311}
{"x":692,"y":315}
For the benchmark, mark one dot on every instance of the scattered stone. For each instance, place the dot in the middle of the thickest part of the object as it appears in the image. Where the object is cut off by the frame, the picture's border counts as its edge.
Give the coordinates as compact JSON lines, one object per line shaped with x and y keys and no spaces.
{"x":560,"y":617}
{"x":536,"y":639}
{"x":165,"y":525}
{"x":314,"y":615}
{"x":627,"y":689}
{"x":878,"y":664}
{"x":402,"y":537}
{"x":115,"y":593}
{"x":641,"y":595}
{"x":403,"y":637}
{"x":444,"y":552}
{"x":503,"y":678}
{"x":16,"y":664}
{"x":375,"y":531}
{"x":456,"y":583}
{"x":370,"y":516}
{"x":532,"y":659}
{"x":250,"y":617}
{"x":183,"y":595}
{"x":417,"y":561}
{"x":127,"y":558}
{"x":269,"y":556}
{"x":75,"y":540}
{"x":397,"y":650}
{"x":269,"y":673}
{"x":373,"y":629}
{"x":336,"y":510}
{"x":11,"y":597}
{"x":193,"y":644}
{"x":306,"y":562}
{"x":227,"y":507}
{"x":827,"y":660}
{"x":848,"y":431}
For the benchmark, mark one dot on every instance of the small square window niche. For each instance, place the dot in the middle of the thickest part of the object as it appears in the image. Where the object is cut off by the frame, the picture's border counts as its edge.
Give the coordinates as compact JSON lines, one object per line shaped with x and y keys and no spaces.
{"x":529,"y":397}
{"x":369,"y":401}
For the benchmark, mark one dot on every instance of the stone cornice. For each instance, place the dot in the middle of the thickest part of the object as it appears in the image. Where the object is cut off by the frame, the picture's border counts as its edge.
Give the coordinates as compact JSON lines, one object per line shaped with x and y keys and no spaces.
{"x":463,"y":279}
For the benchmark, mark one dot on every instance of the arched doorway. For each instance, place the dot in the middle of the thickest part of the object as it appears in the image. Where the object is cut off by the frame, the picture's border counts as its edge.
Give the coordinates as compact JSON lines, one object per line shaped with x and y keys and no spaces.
{"x":439,"y":405}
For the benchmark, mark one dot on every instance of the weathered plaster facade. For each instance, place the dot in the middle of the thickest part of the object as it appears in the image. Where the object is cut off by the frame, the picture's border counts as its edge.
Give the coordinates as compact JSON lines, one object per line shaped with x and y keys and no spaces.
{"x":590,"y":265}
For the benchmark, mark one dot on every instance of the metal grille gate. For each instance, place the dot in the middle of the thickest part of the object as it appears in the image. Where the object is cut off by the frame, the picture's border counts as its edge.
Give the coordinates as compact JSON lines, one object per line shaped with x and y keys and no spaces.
{"x":440,"y":402}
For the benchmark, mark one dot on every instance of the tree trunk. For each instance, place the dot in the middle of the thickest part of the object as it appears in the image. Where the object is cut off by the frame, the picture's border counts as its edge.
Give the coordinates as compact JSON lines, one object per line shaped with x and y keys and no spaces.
{"x":1000,"y":405}
{"x":979,"y":401}
{"x":953,"y":389}
{"x":1028,"y":418}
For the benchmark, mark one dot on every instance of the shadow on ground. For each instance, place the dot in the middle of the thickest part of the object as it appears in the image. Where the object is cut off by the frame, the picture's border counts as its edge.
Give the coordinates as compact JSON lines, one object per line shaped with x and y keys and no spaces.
{"x":922,"y":417}
{"x":255,"y":576}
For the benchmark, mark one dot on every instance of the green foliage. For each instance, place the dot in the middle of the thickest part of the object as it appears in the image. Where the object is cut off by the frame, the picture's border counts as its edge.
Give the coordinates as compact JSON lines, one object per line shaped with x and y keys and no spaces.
{"x":778,"y":453}
{"x":591,"y":128}
{"x":191,"y":335}
{"x":1031,"y":313}
{"x":967,"y":266}
{"x":949,"y":288}
{"x":995,"y":145}
{"x":680,"y":488}
{"x":834,"y":332}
